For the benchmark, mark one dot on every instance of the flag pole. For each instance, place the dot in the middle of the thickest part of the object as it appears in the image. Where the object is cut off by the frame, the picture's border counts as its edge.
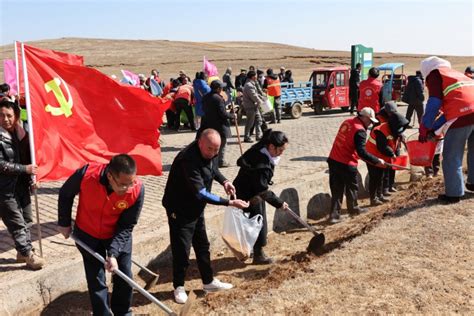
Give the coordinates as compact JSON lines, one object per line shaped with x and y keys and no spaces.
{"x":32,"y":143}
{"x":17,"y":69}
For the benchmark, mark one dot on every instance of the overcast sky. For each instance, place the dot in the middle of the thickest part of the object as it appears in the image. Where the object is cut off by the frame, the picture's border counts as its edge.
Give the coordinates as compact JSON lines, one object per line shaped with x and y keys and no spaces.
{"x":401,"y":26}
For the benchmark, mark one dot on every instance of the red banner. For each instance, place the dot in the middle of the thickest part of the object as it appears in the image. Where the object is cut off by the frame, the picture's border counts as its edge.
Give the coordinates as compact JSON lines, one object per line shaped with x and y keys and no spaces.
{"x":81,"y":115}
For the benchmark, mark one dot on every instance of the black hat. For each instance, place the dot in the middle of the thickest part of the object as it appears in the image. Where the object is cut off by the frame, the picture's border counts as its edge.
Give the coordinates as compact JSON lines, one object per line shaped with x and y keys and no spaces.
{"x":469,"y":69}
{"x":217,"y":84}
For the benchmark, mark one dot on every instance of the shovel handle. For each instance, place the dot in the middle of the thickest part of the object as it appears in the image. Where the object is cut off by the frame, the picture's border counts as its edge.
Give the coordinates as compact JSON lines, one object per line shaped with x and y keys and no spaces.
{"x":302,"y":222}
{"x":124,"y":277}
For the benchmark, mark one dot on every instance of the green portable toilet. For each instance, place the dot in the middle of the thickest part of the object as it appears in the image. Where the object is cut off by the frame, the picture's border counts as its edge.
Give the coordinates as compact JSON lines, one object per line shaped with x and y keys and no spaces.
{"x":363,"y":55}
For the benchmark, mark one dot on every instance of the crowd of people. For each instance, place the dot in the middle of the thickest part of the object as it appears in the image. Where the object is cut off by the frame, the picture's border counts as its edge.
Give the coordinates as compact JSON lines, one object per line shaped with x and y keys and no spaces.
{"x":111,"y":195}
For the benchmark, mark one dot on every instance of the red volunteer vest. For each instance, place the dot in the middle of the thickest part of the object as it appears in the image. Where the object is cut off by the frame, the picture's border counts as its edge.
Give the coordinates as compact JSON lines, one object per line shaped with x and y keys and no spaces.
{"x":458,"y":93}
{"x":343,"y":149}
{"x":369,"y":91}
{"x":97,"y":212}
{"x":184,"y":92}
{"x":273,"y":87}
{"x":371,"y":145}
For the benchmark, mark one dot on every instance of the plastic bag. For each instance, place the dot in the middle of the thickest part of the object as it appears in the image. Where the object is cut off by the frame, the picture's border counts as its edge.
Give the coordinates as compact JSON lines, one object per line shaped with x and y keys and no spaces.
{"x":266,"y":106}
{"x":240,"y":232}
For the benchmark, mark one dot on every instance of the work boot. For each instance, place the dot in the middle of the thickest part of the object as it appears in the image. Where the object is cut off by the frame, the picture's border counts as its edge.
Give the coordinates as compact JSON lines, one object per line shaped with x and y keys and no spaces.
{"x":357,"y":210}
{"x":384,"y":199}
{"x":259,"y":257}
{"x":32,"y":261}
{"x":334,"y":217}
{"x":248,"y":140}
{"x":375,"y":202}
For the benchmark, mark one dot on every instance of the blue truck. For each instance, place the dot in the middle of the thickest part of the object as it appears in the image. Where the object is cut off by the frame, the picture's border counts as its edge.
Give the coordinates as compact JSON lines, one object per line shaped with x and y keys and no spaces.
{"x":294,"y":96}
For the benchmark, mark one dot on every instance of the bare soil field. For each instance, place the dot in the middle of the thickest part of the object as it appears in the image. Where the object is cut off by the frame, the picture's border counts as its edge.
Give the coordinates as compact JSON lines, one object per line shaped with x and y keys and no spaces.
{"x":169,"y":57}
{"x":411,"y":255}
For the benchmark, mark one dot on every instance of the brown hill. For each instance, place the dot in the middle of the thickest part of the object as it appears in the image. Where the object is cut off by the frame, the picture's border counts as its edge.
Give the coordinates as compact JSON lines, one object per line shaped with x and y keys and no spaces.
{"x":140,"y":56}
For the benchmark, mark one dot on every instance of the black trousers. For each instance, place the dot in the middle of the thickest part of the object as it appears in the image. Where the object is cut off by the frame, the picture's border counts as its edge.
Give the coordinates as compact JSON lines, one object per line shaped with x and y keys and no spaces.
{"x":121,"y":299}
{"x":170,"y":119}
{"x":183,"y":105}
{"x":183,"y":234}
{"x":388,"y":178}
{"x":375,"y":181}
{"x":342,"y":178}
{"x":414,"y":107}
{"x":354,"y":98}
{"x":222,"y":149}
{"x":16,"y":223}
{"x":262,"y":237}
{"x":434,"y":168}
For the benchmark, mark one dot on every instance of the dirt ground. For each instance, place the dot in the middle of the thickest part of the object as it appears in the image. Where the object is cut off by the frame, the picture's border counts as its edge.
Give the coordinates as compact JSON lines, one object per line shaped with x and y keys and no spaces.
{"x":169,"y":57}
{"x":411,"y":255}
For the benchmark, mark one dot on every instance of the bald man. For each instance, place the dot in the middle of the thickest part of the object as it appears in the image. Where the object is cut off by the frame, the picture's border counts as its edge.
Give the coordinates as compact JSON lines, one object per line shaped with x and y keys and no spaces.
{"x":187,"y":192}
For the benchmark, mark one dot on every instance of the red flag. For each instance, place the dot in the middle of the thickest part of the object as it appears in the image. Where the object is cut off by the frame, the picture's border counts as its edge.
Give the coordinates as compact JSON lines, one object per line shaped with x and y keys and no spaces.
{"x":81,"y":115}
{"x":47,"y":54}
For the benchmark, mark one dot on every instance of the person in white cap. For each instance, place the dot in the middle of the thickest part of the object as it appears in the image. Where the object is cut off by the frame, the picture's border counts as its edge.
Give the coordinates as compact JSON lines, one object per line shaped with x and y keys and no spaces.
{"x":347,"y":148}
{"x":450,"y":109}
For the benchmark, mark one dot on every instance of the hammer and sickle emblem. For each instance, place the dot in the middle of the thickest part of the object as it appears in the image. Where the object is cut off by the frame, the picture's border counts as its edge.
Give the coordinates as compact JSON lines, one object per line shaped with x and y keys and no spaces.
{"x":65,"y":105}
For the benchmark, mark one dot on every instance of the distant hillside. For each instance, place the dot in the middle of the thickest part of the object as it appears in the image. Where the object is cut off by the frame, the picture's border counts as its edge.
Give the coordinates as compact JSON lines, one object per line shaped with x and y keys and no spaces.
{"x":169,"y":57}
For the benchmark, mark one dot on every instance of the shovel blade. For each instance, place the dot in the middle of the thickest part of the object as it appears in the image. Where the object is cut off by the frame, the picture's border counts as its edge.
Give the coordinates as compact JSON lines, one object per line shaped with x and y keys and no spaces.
{"x":316,"y":243}
{"x":189,"y":302}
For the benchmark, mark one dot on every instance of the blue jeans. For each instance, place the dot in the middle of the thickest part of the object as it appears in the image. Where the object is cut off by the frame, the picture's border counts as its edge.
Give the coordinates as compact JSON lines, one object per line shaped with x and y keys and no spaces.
{"x":97,"y":286}
{"x":453,"y":151}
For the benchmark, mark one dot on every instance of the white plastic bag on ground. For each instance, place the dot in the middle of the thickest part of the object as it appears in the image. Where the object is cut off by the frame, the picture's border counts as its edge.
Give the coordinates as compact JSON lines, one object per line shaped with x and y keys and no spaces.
{"x":240,"y":232}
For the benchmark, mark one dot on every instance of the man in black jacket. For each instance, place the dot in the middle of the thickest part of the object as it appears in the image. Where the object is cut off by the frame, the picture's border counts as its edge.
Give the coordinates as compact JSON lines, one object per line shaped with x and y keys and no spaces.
{"x":354,"y":82}
{"x":414,"y":96}
{"x":187,"y":192}
{"x":216,"y":117}
{"x":13,"y":191}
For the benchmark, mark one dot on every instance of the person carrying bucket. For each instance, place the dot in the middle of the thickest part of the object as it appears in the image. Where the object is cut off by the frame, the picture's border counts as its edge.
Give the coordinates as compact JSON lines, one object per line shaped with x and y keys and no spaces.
{"x":383,"y":142}
{"x":451,"y":103}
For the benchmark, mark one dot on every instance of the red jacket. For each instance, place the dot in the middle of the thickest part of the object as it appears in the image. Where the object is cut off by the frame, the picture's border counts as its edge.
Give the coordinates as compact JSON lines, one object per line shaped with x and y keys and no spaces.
{"x":343,"y":149}
{"x":369,"y":94}
{"x":371,"y":144}
{"x":458,"y":93}
{"x":98,"y":212}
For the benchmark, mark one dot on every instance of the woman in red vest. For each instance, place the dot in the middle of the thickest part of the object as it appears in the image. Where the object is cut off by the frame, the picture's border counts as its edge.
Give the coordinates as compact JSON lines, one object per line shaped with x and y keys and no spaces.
{"x":450,"y":108}
{"x":383,"y":143}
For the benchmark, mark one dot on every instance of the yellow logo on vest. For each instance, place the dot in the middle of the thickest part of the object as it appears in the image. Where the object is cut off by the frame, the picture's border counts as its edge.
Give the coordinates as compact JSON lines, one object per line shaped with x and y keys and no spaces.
{"x":65,"y":107}
{"x":121,"y":205}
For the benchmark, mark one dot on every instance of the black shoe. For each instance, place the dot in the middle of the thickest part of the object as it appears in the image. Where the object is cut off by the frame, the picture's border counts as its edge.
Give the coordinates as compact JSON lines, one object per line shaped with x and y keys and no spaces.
{"x":357,"y":211}
{"x":409,"y":126}
{"x":448,"y":199}
{"x":248,"y":140}
{"x":258,"y":138}
{"x":224,"y":164}
{"x":259,"y":257}
{"x":384,"y":199}
{"x":272,"y":122}
{"x":470,"y":186}
{"x":278,"y":121}
{"x":375,"y":202}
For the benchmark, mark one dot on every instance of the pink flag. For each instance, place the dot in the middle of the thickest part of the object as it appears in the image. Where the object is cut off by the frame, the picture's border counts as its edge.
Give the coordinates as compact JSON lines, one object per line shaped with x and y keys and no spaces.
{"x":209,"y":68}
{"x":9,"y":73}
{"x":131,"y":78}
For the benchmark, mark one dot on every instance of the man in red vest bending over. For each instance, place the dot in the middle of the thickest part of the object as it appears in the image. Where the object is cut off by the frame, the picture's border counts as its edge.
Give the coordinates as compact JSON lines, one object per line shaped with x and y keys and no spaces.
{"x":110,"y":201}
{"x":348,"y":146}
{"x":370,"y":92}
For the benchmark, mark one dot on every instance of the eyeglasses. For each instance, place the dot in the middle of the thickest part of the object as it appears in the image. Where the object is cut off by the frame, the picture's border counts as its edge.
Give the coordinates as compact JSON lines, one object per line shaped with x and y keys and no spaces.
{"x":122,"y":186}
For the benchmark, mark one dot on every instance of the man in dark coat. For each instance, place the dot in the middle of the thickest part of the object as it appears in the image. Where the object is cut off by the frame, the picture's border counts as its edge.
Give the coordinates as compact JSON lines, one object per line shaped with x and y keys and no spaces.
{"x":414,"y":96}
{"x":216,"y":117}
{"x":354,"y":81}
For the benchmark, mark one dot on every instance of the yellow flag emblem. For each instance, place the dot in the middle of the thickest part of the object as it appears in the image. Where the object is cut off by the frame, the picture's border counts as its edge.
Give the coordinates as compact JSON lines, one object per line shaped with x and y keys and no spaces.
{"x":65,"y":105}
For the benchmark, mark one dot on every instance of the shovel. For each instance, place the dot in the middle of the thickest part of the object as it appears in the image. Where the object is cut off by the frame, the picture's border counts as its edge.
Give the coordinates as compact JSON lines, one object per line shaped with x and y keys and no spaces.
{"x":397,"y":166}
{"x":317,"y":241}
{"x":154,"y":275}
{"x":137,"y":287}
